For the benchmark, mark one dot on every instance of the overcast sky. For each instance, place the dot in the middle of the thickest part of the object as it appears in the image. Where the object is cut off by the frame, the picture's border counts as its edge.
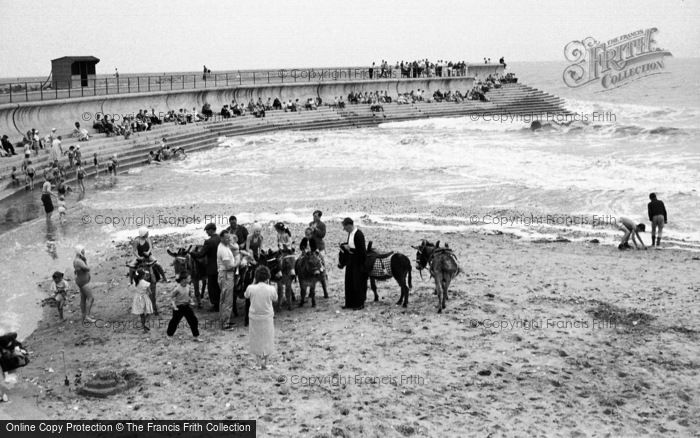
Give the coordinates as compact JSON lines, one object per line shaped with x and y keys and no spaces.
{"x":182,"y":35}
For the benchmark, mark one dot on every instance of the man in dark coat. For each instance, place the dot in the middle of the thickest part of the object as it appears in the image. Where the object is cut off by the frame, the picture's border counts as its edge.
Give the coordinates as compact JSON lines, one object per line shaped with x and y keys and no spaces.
{"x":658,"y":218}
{"x":209,"y":249}
{"x":240,"y":231}
{"x":355,"y":274}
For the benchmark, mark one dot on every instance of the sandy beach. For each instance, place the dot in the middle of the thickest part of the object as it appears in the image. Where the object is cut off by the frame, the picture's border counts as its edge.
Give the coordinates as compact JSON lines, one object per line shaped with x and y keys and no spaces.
{"x":574,"y":337}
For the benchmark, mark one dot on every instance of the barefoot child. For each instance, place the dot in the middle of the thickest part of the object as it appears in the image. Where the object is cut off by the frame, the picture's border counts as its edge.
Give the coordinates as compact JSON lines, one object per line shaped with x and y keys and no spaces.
{"x":62,"y":209}
{"x":96,"y":164}
{"x":180,"y":302}
{"x":261,"y":331}
{"x":58,"y":287}
{"x":80,"y":175}
{"x":30,"y":175}
{"x":142,"y":303}
{"x":13,"y":175}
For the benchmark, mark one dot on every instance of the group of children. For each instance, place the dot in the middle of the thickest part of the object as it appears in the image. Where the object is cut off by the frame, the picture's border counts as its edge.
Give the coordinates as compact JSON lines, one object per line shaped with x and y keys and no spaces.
{"x":261,"y":294}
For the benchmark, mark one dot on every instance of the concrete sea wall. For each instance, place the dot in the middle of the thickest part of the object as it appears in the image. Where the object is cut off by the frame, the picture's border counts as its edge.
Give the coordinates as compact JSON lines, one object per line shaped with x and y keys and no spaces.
{"x":16,"y":119}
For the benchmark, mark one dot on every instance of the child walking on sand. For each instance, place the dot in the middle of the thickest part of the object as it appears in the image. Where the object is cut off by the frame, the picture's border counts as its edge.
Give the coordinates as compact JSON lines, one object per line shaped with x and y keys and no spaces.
{"x":59,"y":289}
{"x":180,"y":301}
{"x":142,"y":303}
{"x":261,"y":331}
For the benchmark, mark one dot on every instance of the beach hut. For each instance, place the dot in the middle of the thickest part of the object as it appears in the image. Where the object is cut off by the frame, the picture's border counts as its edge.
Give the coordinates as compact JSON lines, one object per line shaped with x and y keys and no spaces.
{"x":73,"y":71}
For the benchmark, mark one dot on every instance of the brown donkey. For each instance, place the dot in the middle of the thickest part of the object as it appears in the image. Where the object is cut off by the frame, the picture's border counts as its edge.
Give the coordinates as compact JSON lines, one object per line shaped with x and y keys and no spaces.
{"x":442,"y":264}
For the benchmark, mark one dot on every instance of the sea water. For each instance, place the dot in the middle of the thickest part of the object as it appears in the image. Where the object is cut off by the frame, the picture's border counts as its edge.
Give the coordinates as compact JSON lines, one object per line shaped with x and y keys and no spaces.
{"x":496,"y":175}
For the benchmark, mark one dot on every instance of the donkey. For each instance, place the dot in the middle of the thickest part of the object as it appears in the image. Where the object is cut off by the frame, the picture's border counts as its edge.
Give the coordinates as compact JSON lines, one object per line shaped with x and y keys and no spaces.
{"x":309,"y":270}
{"x":442,"y":264}
{"x":185,"y":261}
{"x":379,"y":268}
{"x":281,"y":265}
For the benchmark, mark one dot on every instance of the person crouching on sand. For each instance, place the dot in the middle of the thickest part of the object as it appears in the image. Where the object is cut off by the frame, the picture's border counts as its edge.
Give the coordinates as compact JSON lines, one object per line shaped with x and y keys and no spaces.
{"x":141,"y":304}
{"x":631,"y":228}
{"x":180,"y":301}
{"x":261,"y":331}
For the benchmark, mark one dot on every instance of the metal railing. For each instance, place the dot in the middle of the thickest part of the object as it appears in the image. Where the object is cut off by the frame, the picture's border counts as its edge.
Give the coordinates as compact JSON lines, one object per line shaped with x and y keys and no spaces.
{"x":125,"y":84}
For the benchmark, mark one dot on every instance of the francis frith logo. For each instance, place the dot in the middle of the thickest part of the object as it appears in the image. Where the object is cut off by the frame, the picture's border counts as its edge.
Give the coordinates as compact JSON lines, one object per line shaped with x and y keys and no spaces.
{"x":615,"y":62}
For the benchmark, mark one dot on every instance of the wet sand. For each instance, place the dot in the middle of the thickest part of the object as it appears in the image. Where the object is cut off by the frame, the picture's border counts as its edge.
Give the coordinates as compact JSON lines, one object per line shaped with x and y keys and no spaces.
{"x":571,"y":339}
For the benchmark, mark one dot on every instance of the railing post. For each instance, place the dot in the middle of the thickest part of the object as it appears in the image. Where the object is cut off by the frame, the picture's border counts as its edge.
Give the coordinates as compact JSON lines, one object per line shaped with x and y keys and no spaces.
{"x":138,"y":84}
{"x":149,"y":83}
{"x":41,"y":92}
{"x":106,"y":87}
{"x":117,"y":85}
{"x":82,"y":90}
{"x":268,"y":77}
{"x":160,"y":83}
{"x":240,"y":79}
{"x":56,"y":89}
{"x":183,"y":82}
{"x":26,"y":92}
{"x":128,"y":83}
{"x":215,"y":80}
{"x":227,"y":79}
{"x":94,"y":87}
{"x":309,"y":73}
{"x":205,"y":81}
{"x":171,"y":82}
{"x":10,"y":93}
{"x":194,"y":81}
{"x":253,"y":77}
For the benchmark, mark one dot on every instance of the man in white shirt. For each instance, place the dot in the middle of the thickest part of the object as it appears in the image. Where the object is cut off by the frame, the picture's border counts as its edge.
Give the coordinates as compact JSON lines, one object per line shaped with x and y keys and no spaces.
{"x":226,"y":264}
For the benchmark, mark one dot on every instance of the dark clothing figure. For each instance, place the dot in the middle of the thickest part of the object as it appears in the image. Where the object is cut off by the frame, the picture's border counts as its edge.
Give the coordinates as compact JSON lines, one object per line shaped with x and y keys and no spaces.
{"x":211,"y":245}
{"x":656,"y":208}
{"x":318,"y":234}
{"x":241,"y":233}
{"x":355,"y":275}
{"x":183,"y":310}
{"x":48,"y":204}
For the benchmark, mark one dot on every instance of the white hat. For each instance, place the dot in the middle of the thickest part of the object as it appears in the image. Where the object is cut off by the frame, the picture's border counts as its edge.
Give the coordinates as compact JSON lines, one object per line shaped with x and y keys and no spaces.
{"x":143,"y":232}
{"x":77,"y":147}
{"x":257,"y":227}
{"x":79,"y":249}
{"x":53,"y":130}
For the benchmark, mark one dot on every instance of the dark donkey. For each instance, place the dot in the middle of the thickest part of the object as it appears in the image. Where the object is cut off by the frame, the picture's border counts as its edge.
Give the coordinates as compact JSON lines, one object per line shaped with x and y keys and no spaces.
{"x":309,"y":270}
{"x":383,"y":267}
{"x":185,"y":261}
{"x":281,"y":265}
{"x":443,"y":266}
